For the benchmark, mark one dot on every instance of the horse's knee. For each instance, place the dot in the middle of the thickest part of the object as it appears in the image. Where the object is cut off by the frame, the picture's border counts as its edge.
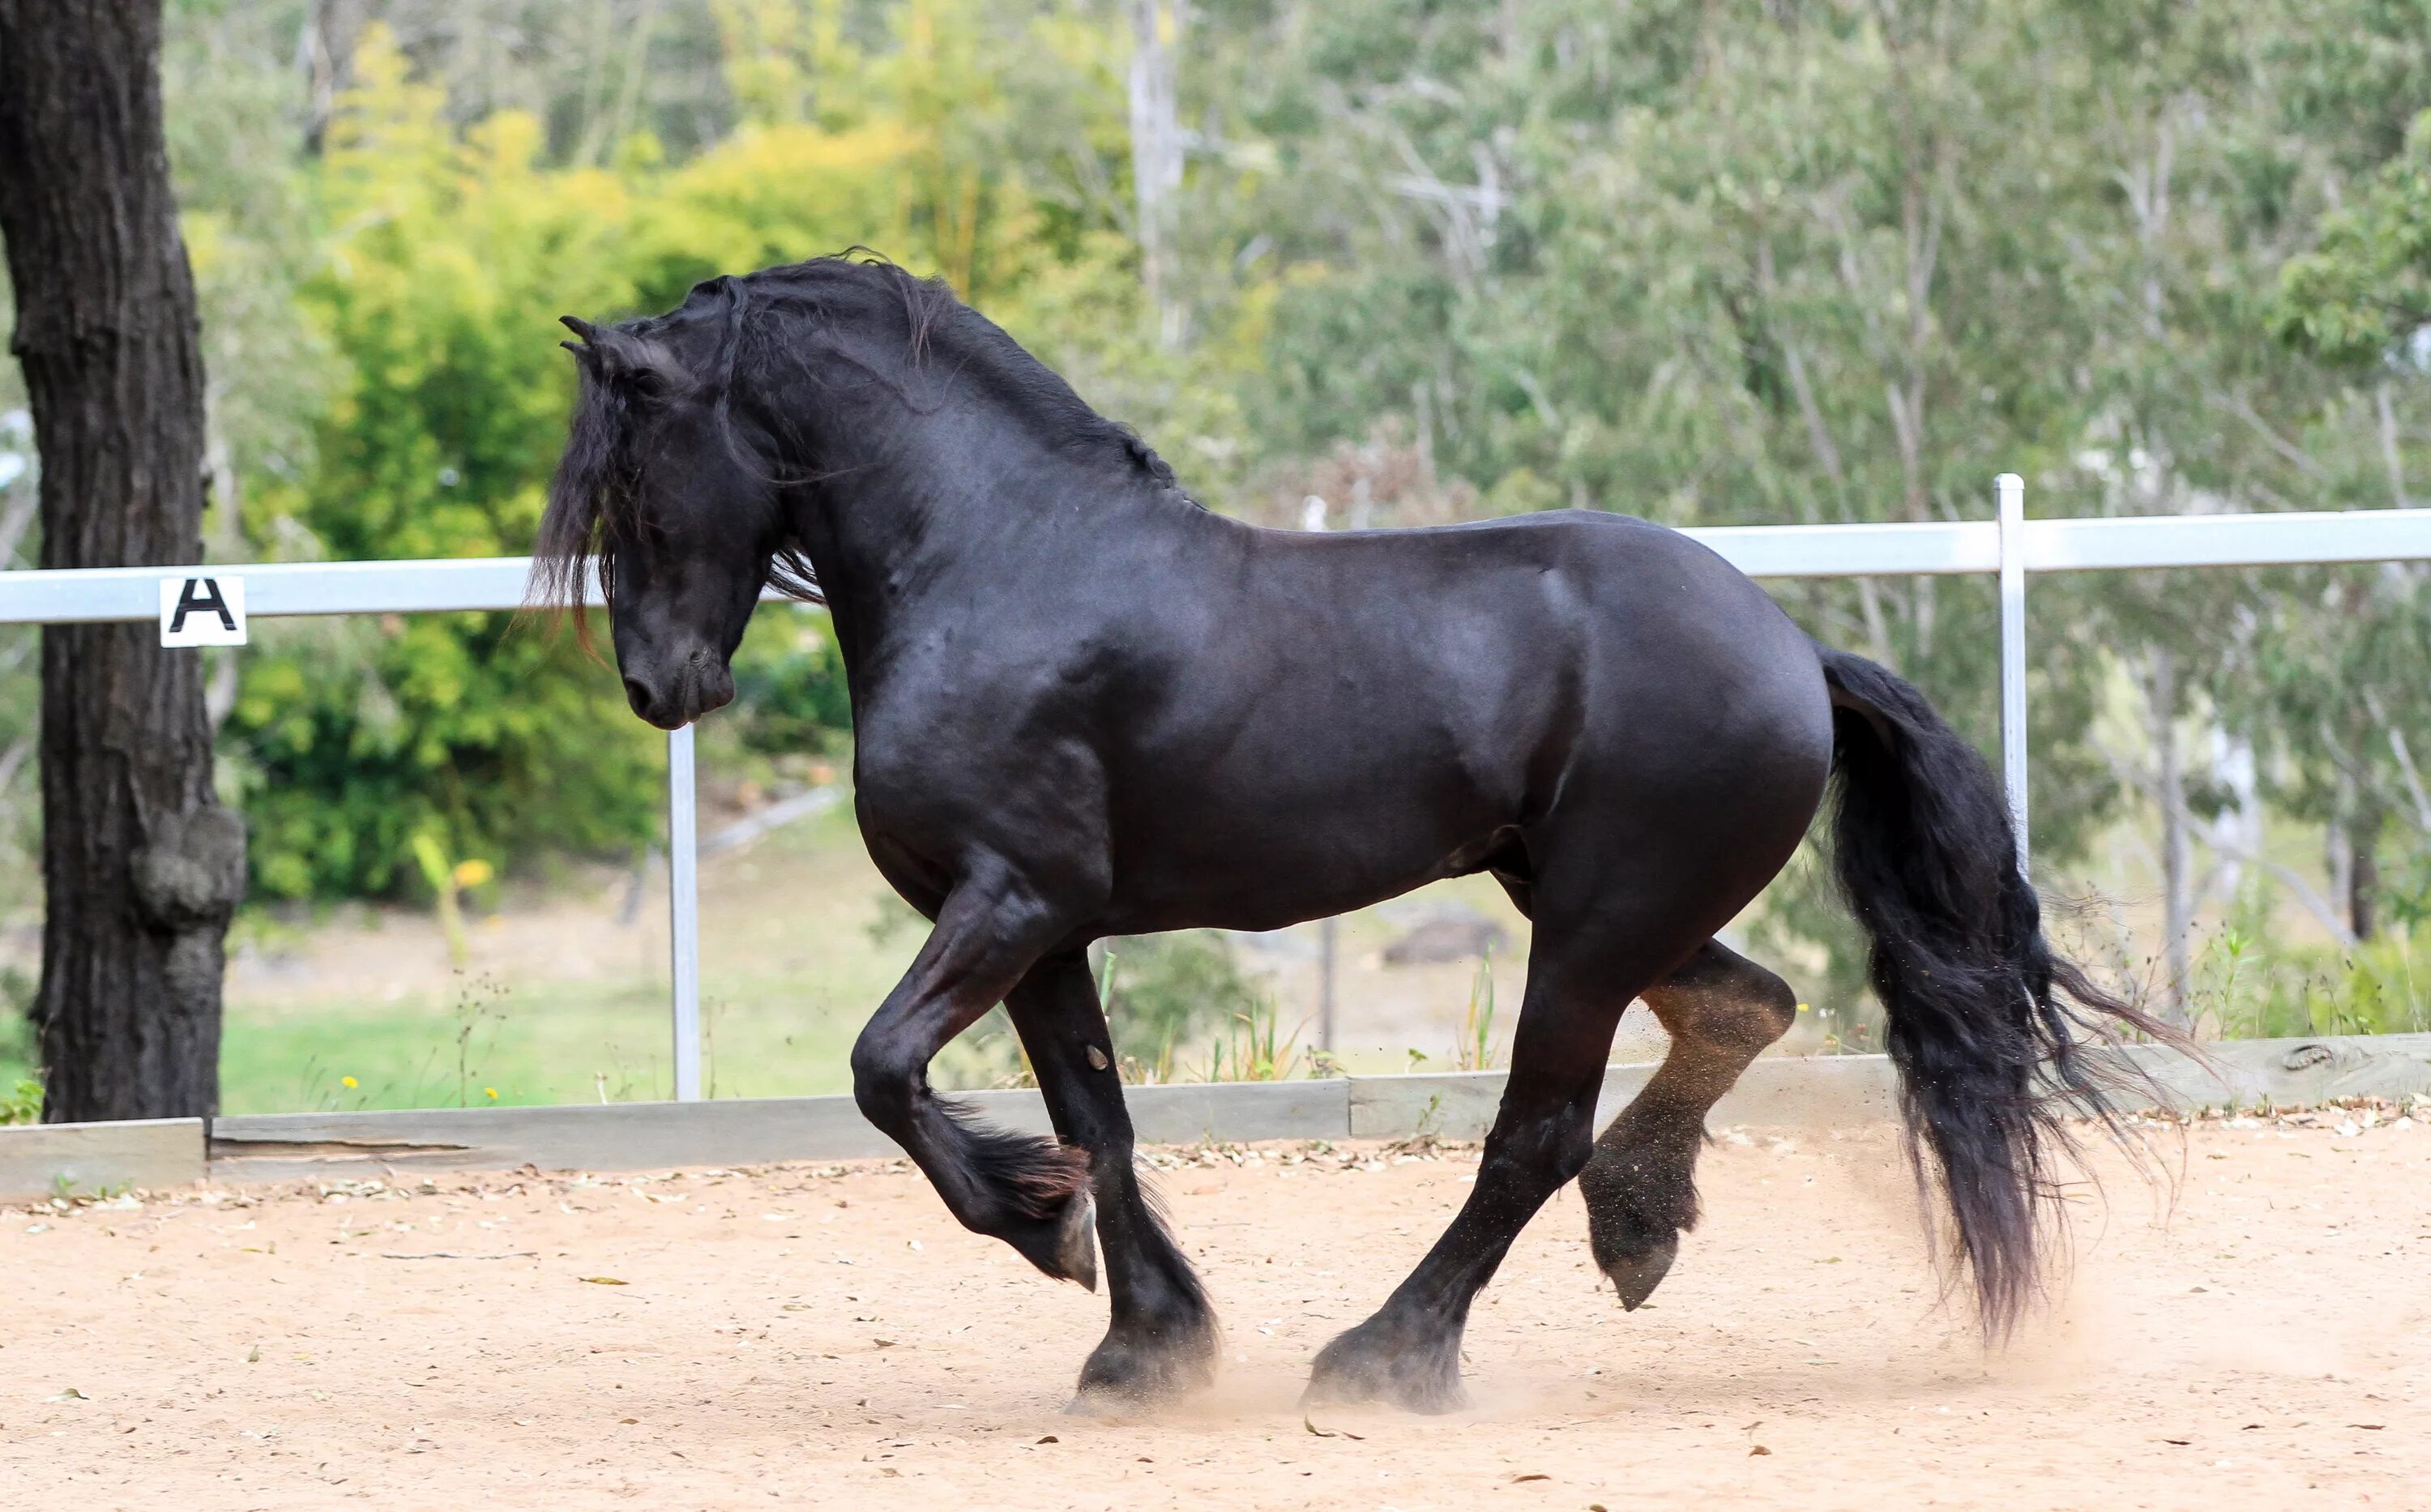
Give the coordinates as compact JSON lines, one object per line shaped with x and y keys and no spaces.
{"x":1575,"y":1148}
{"x":886,"y":1076}
{"x":1557,"y":1142}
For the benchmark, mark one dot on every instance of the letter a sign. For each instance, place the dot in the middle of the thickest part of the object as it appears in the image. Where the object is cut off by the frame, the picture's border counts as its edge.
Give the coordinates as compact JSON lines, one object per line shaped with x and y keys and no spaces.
{"x":202,"y":611}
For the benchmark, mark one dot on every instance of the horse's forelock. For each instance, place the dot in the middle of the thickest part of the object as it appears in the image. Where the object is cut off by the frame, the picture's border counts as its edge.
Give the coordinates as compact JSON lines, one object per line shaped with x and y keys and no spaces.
{"x":591,"y":489}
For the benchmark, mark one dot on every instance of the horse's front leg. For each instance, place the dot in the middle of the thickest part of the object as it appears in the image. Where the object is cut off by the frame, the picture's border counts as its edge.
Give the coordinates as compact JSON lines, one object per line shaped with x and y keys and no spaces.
{"x":1161,"y":1340}
{"x":1033,"y":1193}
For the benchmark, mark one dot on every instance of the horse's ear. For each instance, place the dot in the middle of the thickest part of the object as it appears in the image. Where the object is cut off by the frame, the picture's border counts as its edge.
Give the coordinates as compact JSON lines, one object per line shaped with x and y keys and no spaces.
{"x":616,"y":355}
{"x":648,"y":367}
{"x":584,"y":353}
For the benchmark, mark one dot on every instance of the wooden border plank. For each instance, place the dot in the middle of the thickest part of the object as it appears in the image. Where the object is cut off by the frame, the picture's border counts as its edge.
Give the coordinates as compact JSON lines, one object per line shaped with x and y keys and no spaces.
{"x":42,"y":1159}
{"x":1826,"y":1091}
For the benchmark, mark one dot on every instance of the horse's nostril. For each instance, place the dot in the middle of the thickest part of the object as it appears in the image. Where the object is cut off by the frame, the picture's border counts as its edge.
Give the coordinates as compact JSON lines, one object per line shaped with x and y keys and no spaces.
{"x":638,"y":696}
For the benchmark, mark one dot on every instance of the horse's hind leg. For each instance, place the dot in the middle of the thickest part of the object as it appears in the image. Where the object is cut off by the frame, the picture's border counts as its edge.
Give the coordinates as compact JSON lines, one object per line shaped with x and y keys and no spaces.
{"x":1721,"y":1010}
{"x":1161,"y":1340}
{"x":1579,"y":982}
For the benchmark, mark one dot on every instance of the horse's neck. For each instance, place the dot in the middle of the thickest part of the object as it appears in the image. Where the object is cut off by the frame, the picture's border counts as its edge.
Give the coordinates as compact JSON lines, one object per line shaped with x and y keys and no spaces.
{"x":929,"y":500}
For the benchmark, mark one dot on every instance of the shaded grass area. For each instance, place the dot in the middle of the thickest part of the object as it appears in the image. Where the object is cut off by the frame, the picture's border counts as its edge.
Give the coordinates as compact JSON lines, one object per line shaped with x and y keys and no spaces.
{"x":520,"y":1047}
{"x":533,"y":1046}
{"x":564,"y":1003}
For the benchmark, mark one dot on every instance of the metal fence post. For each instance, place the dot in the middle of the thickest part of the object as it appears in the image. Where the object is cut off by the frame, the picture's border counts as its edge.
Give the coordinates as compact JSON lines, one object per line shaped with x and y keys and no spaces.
{"x":2010,"y":490}
{"x":1329,"y":941}
{"x":684,"y":912}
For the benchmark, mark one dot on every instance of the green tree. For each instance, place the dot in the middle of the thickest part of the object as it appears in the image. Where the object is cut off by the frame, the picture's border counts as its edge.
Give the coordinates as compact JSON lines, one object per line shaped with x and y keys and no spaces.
{"x":450,"y":257}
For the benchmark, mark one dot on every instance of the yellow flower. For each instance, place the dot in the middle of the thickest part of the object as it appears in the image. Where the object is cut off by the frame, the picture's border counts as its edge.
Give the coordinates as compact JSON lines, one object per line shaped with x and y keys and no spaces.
{"x":347,"y":1082}
{"x":493,"y":1092}
{"x":1801,"y":1008}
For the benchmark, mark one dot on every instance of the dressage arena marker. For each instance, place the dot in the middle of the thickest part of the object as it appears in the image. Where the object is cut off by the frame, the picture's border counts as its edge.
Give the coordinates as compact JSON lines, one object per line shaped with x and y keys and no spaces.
{"x":202,"y":611}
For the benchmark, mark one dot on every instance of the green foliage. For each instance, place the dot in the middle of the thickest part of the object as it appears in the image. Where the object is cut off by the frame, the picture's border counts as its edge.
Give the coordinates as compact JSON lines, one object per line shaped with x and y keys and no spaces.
{"x":2364,"y":294}
{"x":1167,"y":993}
{"x":351,"y":740}
{"x":2249,"y":989}
{"x":789,"y":686}
{"x":1254,"y":1047}
{"x":22,"y":1103}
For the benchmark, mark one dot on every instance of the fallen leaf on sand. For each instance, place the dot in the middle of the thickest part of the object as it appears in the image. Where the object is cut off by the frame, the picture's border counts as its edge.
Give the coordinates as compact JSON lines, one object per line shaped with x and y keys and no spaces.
{"x":1759,"y":1450}
{"x":603,"y":1281}
{"x":71,"y":1394}
{"x":1310,"y":1424}
{"x":1516,"y":1480}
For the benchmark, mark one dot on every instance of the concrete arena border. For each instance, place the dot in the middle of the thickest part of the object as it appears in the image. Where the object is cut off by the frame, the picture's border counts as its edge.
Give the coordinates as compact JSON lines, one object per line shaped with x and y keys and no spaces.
{"x":37,"y":1162}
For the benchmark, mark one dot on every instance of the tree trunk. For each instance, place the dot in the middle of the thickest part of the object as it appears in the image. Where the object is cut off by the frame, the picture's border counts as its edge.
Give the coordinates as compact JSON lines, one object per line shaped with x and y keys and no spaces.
{"x":2363,"y":867}
{"x":2177,"y":860}
{"x":141,"y":864}
{"x":1156,"y":157}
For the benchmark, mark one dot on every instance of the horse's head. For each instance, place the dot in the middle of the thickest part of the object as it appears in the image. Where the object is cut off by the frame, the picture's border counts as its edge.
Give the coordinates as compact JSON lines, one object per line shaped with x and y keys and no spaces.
{"x":663,"y":486}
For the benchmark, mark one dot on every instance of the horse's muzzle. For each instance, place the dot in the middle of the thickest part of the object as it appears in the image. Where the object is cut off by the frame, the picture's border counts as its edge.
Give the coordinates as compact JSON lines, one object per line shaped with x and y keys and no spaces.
{"x":676,"y":698}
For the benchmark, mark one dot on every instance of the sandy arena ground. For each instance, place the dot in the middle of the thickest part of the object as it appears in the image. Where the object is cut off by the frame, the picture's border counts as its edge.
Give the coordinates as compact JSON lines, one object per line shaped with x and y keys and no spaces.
{"x":810,"y":1335}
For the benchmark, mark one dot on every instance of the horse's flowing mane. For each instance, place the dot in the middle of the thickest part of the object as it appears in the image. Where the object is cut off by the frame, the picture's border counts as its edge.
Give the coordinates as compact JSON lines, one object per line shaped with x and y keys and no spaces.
{"x":595,"y":498}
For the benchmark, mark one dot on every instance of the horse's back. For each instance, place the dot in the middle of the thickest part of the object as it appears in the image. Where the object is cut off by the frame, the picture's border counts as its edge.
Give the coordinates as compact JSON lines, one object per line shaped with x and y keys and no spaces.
{"x":1365,"y":711}
{"x":1643,"y":617}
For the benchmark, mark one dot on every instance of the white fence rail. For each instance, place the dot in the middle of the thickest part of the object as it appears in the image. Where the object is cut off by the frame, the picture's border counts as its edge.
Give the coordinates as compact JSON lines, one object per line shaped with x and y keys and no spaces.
{"x":2008,"y":545}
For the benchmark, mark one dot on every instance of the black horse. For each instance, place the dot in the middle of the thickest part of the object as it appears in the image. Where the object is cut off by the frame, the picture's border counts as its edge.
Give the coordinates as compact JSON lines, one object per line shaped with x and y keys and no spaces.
{"x":1085,"y":706}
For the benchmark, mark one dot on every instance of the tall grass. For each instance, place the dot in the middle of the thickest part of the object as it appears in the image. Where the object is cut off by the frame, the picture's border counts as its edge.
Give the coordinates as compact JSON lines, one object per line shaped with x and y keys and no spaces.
{"x":1474,"y":1049}
{"x":2244,"y":988}
{"x":1253,"y":1048}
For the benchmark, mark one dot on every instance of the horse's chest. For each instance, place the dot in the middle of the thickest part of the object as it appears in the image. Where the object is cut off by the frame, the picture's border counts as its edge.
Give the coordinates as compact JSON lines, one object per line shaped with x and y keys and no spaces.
{"x":939,"y":785}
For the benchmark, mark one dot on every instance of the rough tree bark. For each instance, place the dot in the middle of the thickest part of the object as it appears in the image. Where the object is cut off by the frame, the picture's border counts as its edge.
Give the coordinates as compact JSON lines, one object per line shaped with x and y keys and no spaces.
{"x":141,"y":867}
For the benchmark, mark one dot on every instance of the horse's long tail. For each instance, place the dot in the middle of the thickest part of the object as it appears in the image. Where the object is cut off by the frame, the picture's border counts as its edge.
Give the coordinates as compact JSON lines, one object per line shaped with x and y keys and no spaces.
{"x":1984,"y":1017}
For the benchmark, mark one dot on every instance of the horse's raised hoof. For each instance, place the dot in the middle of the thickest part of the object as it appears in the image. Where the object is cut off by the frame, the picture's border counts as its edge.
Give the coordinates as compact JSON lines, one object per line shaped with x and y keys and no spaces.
{"x":1636,"y":1207}
{"x":1076,"y":1241}
{"x":1064,"y":1246}
{"x":1139,"y":1368}
{"x":1636,"y":1277}
{"x":1376,"y":1362}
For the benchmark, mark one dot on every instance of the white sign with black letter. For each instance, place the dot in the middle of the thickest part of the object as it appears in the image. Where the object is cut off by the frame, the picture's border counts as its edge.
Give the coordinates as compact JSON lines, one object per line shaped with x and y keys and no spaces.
{"x":202,"y":611}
